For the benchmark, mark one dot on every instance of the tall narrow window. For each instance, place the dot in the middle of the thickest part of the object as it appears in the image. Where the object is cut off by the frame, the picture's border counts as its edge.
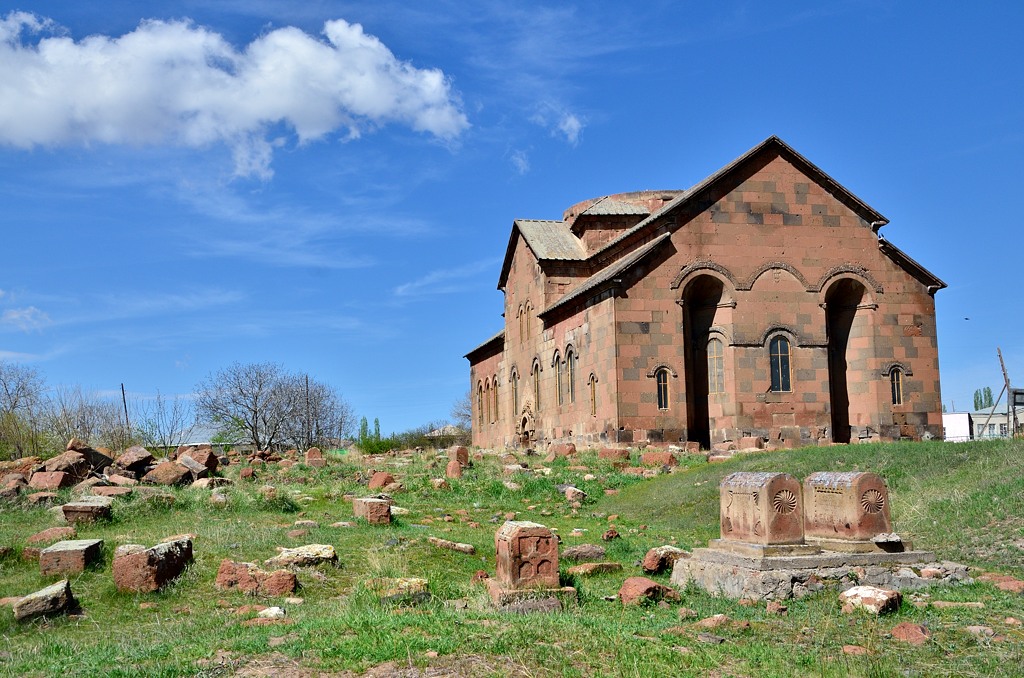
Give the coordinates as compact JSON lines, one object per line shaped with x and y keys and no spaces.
{"x":716,"y":367}
{"x":661,"y":379}
{"x":526,"y":320}
{"x":558,"y":380}
{"x":480,"y":403}
{"x":536,"y":387}
{"x":593,"y":395}
{"x":487,"y":402}
{"x":515,"y":394}
{"x":522,"y":324}
{"x":570,"y":369}
{"x":778,"y":353}
{"x":494,"y":399}
{"x":896,"y":385}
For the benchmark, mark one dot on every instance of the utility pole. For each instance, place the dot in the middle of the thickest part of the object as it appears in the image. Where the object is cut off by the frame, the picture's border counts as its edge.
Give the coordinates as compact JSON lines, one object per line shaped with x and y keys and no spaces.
{"x":127,"y":424}
{"x":1011,"y":410}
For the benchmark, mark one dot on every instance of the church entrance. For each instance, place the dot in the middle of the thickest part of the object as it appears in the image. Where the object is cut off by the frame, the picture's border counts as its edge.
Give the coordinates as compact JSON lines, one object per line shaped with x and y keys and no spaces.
{"x":841,"y":302}
{"x":700,"y":303}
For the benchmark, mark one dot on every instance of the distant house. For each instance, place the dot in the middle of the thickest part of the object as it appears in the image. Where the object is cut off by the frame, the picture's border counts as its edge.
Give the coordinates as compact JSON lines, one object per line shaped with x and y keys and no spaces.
{"x":957,"y":427}
{"x":761,"y":302}
{"x":998,"y":426}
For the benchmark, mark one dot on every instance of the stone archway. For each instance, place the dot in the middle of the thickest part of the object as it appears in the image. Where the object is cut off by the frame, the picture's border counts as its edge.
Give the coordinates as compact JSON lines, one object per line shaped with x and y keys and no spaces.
{"x":842,"y":300}
{"x":701,"y":298}
{"x":525,"y":427}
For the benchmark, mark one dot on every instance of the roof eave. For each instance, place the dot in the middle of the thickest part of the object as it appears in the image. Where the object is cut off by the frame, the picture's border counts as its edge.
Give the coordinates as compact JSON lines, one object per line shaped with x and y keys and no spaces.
{"x":907,"y":263}
{"x":500,"y":336}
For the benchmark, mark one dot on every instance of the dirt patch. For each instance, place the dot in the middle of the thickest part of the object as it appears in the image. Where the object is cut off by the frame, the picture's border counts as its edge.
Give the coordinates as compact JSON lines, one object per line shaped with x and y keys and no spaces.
{"x":277,"y":665}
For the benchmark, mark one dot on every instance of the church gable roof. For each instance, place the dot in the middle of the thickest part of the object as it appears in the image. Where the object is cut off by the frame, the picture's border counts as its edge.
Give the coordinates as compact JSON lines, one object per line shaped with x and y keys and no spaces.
{"x":548,"y":240}
{"x":608,"y":207}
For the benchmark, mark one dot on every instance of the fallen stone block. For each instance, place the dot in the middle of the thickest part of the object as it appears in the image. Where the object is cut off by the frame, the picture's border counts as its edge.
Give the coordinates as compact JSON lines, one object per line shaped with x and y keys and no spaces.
{"x":87,"y":510}
{"x":907,"y":632}
{"x":374,"y":511}
{"x":12,"y":484}
{"x":250,"y":579}
{"x":460,"y":454}
{"x":51,"y":535}
{"x":452,"y":545}
{"x":51,"y":480}
{"x":168,"y":473}
{"x":111,"y":491}
{"x":380,"y":479}
{"x":584,"y":552}
{"x":590,"y":569}
{"x":54,"y":600}
{"x":400,"y":590}
{"x":73,"y":463}
{"x":135,"y":459}
{"x":203,"y":456}
{"x":150,"y":569}
{"x":657,"y":458}
{"x":453,"y":469}
{"x":70,"y":557}
{"x":870,"y":598}
{"x":304,"y":556}
{"x":640,"y":590}
{"x":613,"y":454}
{"x":661,"y":558}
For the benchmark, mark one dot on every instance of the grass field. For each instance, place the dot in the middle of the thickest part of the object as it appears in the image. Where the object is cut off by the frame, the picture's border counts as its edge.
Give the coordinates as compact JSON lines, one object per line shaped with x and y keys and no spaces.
{"x":963,"y":501}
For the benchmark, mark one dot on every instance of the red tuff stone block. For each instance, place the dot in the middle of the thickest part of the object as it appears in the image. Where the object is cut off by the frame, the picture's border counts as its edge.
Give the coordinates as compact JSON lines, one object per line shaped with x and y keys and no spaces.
{"x":380,"y":479}
{"x":527,"y":555}
{"x":69,"y":557}
{"x":846,"y":505}
{"x":150,"y":569}
{"x":460,"y":454}
{"x":453,"y":470}
{"x":51,"y":535}
{"x":639,"y":590}
{"x":375,"y":511}
{"x":761,"y":508}
{"x":613,"y":454}
{"x":656,"y":458}
{"x":52,"y":480}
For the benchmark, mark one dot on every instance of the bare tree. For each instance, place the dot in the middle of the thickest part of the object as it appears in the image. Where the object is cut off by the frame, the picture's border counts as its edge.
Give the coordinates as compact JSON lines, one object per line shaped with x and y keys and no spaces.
{"x":462,"y":411}
{"x":252,"y":400}
{"x":323,"y":416}
{"x":166,"y":423}
{"x":21,"y":390}
{"x":71,"y":412}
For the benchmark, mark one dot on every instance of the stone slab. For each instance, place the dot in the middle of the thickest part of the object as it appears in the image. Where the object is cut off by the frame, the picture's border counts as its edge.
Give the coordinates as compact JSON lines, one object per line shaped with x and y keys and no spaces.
{"x":823,"y":559}
{"x":503,"y":596}
{"x":87,"y":509}
{"x":70,"y":557}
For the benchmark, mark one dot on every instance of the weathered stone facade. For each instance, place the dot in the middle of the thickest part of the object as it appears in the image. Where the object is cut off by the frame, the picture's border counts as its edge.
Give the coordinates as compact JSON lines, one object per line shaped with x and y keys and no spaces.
{"x":760,"y":303}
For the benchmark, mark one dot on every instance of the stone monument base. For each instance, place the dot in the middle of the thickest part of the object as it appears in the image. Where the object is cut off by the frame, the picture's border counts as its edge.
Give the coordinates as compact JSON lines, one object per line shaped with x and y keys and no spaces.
{"x":503,"y":597}
{"x":735,"y":572}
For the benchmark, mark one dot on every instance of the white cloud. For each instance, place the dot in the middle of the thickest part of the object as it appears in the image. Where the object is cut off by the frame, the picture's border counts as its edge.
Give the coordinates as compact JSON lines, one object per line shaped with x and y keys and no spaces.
{"x":25,"y":319}
{"x":175,"y":82}
{"x":521,"y":161}
{"x":445,"y":280}
{"x":560,"y":122}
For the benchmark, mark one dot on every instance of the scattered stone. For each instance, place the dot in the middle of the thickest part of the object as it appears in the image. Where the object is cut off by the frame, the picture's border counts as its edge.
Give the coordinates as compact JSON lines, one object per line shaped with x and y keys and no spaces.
{"x":688,"y":613}
{"x":52,"y":535}
{"x":713,"y":622}
{"x":168,"y":473}
{"x":915,"y":634}
{"x":776,"y":608}
{"x":661,"y":558}
{"x":247,"y":473}
{"x":612,"y":533}
{"x":453,"y":469}
{"x":710,"y":639}
{"x":639,"y":590}
{"x":48,"y":602}
{"x":296,"y":534}
{"x":72,"y":463}
{"x":574,"y":494}
{"x":656,"y":458}
{"x":12,"y":484}
{"x":980,"y":631}
{"x":452,"y":546}
{"x":135,"y":459}
{"x":250,"y":579}
{"x":584,"y":553}
{"x":37,"y":498}
{"x":315,"y":458}
{"x":380,"y":479}
{"x":1012,"y":621}
{"x":855,"y":650}
{"x":393,"y":488}
{"x":439,"y":484}
{"x":460,"y":454}
{"x":510,"y":485}
{"x":51,"y":480}
{"x":374,"y":511}
{"x":1003,"y":582}
{"x":613,"y":454}
{"x":195,"y":468}
{"x":871,"y":598}
{"x":533,"y":606}
{"x":203,"y":456}
{"x":122,"y":481}
{"x":562,"y":449}
{"x":304,"y":556}
{"x":343,"y":523}
{"x":589,"y":569}
{"x":150,"y":569}
{"x":111,"y":491}
{"x":69,"y":557}
{"x":272,"y":613}
{"x":211,"y":483}
{"x":87,"y":510}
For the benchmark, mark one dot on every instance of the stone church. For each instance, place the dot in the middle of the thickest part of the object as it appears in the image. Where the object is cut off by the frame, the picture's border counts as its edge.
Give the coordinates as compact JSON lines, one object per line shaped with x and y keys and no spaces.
{"x":762,"y":302}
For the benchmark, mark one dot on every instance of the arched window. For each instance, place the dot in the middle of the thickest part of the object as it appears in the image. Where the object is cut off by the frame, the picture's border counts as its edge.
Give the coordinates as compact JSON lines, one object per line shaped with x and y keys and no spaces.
{"x":480,"y":402}
{"x":536,"y":387}
{"x":515,"y":394}
{"x":522,"y":323}
{"x":570,"y":373}
{"x":494,"y":399}
{"x":592,"y":382}
{"x":778,"y":354}
{"x":487,"y":401}
{"x":716,"y":366}
{"x":896,"y":385}
{"x":558,"y":378}
{"x":526,"y":320}
{"x":661,"y":379}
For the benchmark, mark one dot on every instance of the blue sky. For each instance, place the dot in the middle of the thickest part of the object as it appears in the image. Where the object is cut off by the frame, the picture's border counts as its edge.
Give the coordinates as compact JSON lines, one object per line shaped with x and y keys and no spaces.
{"x":330,"y":185}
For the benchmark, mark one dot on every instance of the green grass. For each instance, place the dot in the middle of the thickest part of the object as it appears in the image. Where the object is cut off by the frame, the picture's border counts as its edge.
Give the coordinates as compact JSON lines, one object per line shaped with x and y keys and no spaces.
{"x":965,"y":502}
